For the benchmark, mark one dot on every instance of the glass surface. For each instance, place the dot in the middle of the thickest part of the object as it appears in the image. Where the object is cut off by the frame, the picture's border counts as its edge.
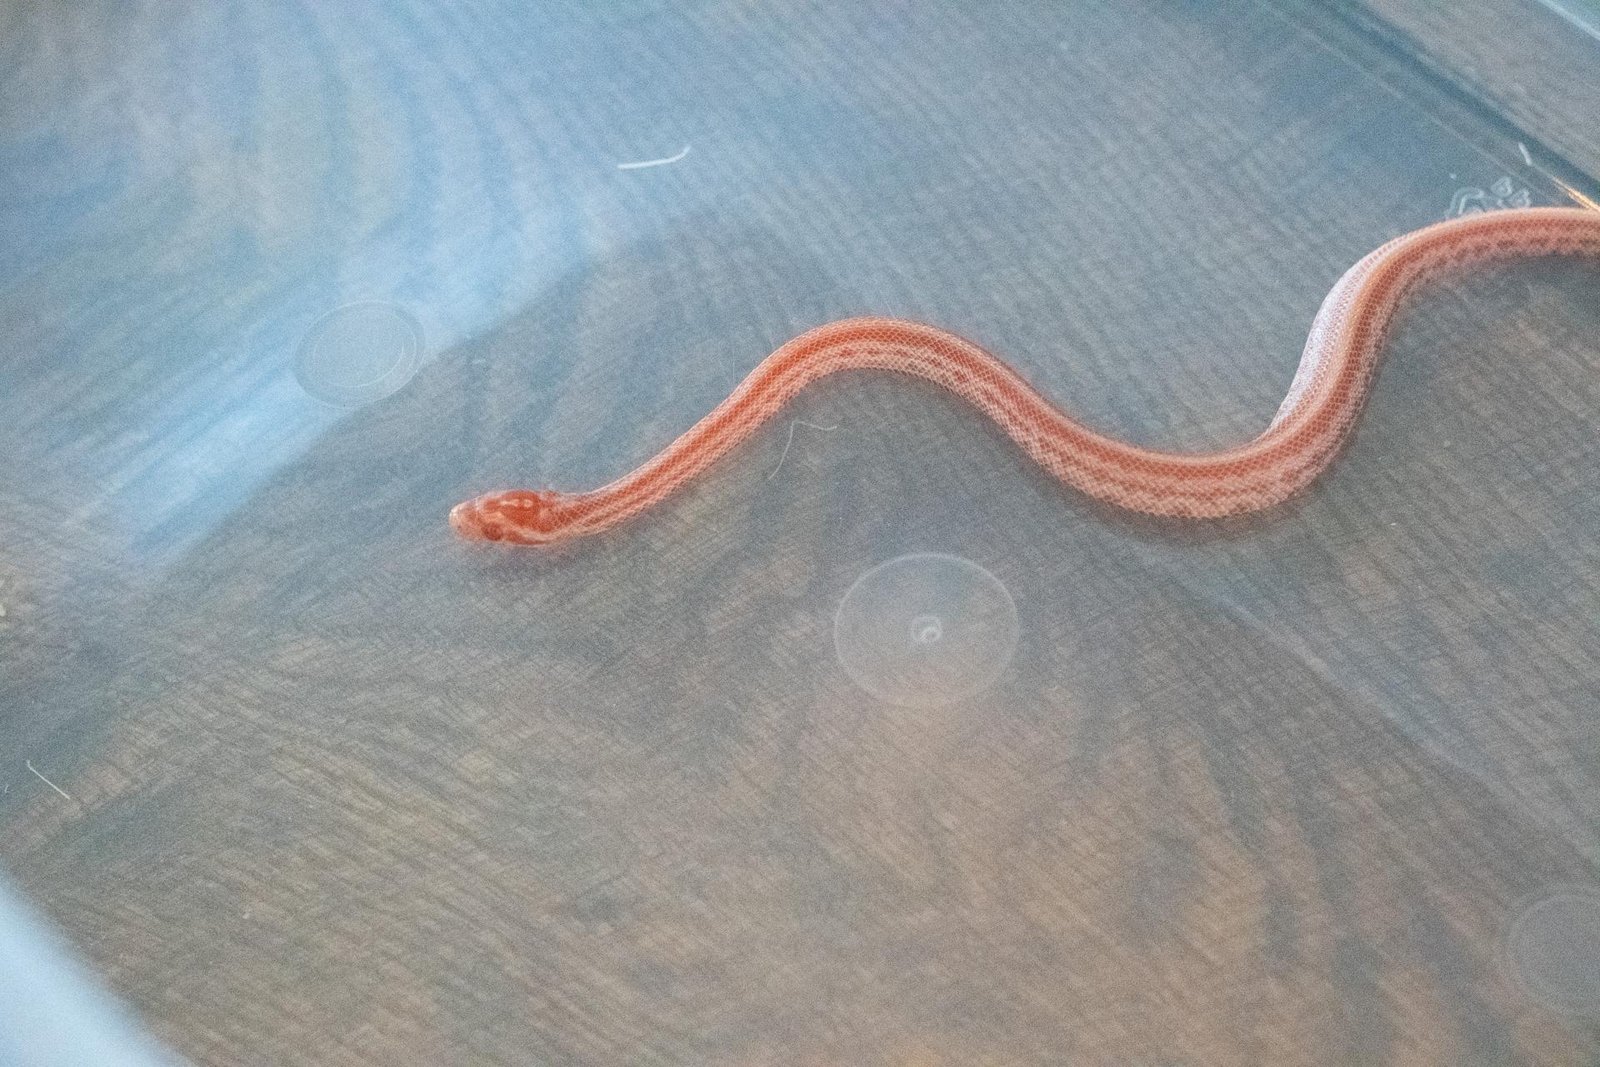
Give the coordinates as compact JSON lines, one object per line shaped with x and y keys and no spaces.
{"x":303,"y":776}
{"x":1583,"y":14}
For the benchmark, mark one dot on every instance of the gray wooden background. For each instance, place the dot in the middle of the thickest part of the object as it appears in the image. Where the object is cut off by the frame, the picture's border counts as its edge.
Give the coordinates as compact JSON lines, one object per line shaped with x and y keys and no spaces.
{"x":307,"y":781}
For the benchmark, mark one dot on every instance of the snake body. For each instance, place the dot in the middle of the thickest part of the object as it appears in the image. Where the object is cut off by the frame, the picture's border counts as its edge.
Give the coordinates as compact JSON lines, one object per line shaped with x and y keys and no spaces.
{"x":1335,"y":375}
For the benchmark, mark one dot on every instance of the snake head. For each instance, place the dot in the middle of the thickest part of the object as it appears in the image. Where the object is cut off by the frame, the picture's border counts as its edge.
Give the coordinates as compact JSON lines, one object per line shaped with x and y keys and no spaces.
{"x":518,"y":517}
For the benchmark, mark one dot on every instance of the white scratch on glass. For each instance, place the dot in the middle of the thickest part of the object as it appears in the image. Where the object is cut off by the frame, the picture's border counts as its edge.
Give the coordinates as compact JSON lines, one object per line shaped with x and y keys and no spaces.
{"x":788,"y":444}
{"x":654,"y":162}
{"x":45,"y":780}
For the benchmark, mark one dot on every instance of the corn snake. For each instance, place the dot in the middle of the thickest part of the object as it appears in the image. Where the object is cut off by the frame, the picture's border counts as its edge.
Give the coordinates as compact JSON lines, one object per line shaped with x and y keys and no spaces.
{"x":1335,"y":375}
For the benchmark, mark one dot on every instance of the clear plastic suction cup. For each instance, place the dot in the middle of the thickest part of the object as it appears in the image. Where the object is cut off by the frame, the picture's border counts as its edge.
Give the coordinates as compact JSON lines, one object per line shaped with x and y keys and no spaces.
{"x":925,"y":630}
{"x":359,"y":353}
{"x":1554,"y":949}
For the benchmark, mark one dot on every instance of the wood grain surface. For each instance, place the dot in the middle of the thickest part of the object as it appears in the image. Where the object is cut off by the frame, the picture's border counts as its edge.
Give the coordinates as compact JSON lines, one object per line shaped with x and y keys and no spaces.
{"x":341,"y":790}
{"x":1531,"y":61}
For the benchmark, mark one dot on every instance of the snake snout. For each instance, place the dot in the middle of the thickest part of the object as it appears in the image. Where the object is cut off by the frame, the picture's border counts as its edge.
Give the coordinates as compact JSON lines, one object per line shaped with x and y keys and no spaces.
{"x":467,"y":520}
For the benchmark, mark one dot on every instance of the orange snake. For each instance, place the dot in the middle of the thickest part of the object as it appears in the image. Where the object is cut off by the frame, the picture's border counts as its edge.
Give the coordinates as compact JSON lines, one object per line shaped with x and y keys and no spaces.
{"x":1335,"y":374}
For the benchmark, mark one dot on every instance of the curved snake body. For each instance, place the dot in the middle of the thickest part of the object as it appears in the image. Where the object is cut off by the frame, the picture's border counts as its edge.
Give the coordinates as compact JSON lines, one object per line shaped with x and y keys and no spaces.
{"x":1334,"y":377}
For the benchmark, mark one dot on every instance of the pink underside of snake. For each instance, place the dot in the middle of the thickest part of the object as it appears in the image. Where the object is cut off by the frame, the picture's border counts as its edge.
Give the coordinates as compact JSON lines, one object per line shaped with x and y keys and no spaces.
{"x":1336,"y":373}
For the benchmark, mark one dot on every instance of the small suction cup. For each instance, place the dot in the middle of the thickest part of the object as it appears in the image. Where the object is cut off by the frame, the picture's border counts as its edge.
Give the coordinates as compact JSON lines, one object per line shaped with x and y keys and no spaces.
{"x":359,"y":353}
{"x":1554,"y":949}
{"x":925,"y":630}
